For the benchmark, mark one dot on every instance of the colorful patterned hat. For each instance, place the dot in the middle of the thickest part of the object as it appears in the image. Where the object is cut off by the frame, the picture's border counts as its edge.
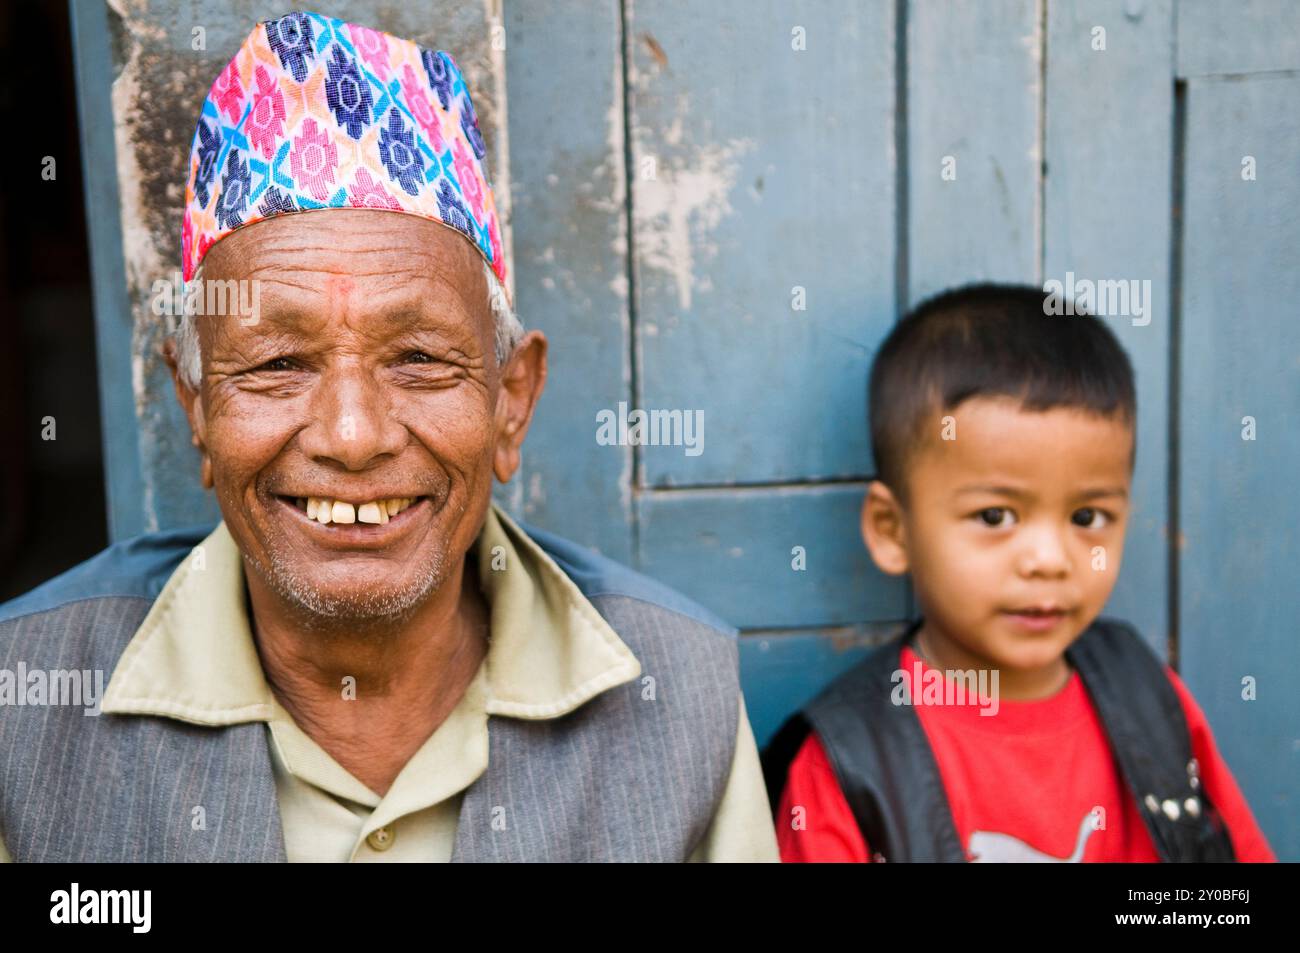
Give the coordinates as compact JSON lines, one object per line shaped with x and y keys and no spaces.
{"x":316,"y":113}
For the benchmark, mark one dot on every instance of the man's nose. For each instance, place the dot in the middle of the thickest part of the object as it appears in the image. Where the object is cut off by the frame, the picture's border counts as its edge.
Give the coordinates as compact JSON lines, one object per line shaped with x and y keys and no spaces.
{"x":354,"y":425}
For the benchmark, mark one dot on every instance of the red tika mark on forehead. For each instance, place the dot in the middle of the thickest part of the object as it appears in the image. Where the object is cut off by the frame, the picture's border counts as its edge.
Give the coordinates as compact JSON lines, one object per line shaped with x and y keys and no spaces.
{"x":339,"y":286}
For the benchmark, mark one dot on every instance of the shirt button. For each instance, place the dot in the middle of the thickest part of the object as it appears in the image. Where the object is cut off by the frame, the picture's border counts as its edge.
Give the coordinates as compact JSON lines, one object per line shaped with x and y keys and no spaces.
{"x":381,"y":838}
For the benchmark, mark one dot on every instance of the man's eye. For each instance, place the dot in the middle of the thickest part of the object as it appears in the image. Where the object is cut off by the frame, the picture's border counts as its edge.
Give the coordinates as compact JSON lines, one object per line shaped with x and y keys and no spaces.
{"x":995,"y":516}
{"x":418,"y":357}
{"x":1090,"y":518}
{"x":278,"y":364}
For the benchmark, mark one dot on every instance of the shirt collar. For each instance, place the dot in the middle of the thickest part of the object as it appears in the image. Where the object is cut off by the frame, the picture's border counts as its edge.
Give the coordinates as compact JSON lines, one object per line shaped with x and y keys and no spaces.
{"x":193,"y":657}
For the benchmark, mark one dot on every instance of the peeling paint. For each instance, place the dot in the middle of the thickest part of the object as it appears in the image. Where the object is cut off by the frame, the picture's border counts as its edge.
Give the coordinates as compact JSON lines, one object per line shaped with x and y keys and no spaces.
{"x":677,"y":211}
{"x":536,"y":492}
{"x":619,"y":285}
{"x":614,"y":170}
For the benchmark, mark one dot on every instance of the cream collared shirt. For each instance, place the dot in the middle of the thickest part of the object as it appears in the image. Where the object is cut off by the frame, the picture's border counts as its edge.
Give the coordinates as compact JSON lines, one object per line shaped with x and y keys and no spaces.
{"x":194,"y":659}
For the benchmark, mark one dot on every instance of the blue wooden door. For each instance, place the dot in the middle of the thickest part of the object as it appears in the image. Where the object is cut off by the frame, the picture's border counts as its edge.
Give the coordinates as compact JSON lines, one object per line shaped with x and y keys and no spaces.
{"x":1237,"y":428}
{"x":723,"y":207}
{"x":770,"y":187}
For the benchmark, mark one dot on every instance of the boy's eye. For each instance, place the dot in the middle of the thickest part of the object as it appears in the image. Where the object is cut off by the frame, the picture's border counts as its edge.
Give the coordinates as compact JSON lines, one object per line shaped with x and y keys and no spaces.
{"x":994,"y":516}
{"x":1090,"y":518}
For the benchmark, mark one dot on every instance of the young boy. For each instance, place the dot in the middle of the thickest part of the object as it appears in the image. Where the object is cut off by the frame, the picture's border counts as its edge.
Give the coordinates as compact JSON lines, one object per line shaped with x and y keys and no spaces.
{"x":1004,"y":443}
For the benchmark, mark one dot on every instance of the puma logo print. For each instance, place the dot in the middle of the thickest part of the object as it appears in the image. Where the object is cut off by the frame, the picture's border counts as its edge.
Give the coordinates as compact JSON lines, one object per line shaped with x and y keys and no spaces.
{"x":992,"y":847}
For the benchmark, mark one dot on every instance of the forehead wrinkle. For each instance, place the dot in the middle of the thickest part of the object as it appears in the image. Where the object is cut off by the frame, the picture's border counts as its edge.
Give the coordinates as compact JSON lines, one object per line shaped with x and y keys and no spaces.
{"x":249,"y":344}
{"x":400,"y":296}
{"x":370,"y":248}
{"x":433,"y":266}
{"x":439,"y":276}
{"x":293,"y":235}
{"x":330,"y":257}
{"x":288,"y":320}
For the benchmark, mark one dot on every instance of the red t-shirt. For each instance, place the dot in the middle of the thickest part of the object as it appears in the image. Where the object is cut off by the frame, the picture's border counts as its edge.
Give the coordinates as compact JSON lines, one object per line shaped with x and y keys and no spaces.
{"x":1021,"y":784}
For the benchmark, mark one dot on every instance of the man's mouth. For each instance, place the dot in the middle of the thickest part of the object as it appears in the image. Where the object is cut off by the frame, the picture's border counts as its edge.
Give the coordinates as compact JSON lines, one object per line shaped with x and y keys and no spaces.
{"x":327,"y":511}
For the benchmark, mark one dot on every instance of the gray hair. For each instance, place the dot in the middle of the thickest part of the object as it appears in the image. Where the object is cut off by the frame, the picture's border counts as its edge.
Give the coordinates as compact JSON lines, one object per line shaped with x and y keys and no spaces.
{"x":508,"y":329}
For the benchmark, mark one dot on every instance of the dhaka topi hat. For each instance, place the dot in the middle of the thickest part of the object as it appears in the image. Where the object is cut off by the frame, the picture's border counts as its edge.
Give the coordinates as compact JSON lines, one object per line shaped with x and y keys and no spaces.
{"x":315,"y":113}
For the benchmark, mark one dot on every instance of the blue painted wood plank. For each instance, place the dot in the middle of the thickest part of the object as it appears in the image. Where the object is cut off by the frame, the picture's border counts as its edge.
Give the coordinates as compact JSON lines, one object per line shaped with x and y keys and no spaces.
{"x":564,"y":76}
{"x":735,"y":552}
{"x":1245,"y":36}
{"x":763,"y":231}
{"x":781,"y":671}
{"x":973,"y":90}
{"x":1239,"y":511}
{"x":1107,"y":216}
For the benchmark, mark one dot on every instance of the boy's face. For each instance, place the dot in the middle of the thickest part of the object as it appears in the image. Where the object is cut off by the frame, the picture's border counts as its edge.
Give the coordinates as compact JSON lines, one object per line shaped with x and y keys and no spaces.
{"x":1012,"y":532}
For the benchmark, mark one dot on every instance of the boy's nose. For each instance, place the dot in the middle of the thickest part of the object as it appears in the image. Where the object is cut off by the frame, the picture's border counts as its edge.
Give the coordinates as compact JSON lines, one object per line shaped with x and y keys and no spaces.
{"x":1044,"y":554}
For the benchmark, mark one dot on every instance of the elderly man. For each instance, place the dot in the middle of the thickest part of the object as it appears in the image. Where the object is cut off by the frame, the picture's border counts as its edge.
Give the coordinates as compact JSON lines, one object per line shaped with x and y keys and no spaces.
{"x":366,"y":660}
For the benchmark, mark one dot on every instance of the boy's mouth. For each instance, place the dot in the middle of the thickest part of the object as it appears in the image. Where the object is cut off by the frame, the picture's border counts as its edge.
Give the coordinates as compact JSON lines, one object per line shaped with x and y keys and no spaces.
{"x":1041,"y":618}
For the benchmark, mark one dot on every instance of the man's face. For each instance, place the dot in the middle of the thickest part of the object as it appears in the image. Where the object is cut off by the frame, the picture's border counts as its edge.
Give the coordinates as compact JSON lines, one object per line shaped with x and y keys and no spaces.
{"x":370,"y":376}
{"x":1015,"y":529}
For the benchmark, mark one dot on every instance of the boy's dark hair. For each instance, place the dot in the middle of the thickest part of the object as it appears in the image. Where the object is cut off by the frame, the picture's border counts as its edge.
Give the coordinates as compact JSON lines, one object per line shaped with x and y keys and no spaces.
{"x":989,"y":341}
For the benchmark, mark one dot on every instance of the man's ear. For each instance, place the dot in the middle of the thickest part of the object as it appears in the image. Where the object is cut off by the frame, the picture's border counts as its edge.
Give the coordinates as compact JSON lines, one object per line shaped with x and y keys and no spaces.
{"x":883,"y":530}
{"x":192,"y":403}
{"x":522,"y":380}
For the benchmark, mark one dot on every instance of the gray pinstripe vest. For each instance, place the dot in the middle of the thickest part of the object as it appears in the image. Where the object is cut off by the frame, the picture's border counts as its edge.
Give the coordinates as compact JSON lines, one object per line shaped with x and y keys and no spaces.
{"x":616,"y":780}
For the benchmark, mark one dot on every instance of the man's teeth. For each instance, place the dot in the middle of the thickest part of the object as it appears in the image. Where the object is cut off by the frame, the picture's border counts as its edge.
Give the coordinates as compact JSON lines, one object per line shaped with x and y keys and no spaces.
{"x":327,"y":511}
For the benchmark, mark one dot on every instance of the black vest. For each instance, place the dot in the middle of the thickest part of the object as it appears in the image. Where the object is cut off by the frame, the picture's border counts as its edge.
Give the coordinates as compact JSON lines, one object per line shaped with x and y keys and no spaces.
{"x":889,"y":776}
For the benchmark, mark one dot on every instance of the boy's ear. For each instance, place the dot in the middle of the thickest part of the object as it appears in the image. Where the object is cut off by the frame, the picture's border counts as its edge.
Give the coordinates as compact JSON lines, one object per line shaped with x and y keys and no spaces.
{"x":882,"y":529}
